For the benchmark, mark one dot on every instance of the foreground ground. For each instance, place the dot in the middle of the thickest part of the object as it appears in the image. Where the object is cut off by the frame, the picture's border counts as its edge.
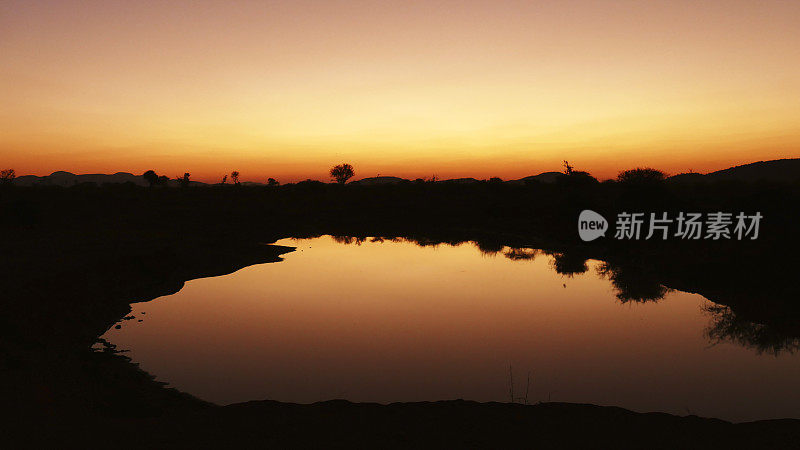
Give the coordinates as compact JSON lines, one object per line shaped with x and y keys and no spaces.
{"x":77,"y":258}
{"x":446,"y":424}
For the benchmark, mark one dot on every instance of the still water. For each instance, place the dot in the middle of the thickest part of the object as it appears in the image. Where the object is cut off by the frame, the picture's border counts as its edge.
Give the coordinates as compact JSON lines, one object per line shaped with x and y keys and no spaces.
{"x":393,"y":321}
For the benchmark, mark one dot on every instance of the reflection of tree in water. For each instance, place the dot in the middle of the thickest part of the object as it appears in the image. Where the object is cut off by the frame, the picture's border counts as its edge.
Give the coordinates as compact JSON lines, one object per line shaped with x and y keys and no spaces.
{"x":568,"y":264}
{"x":725,"y":326}
{"x":632,"y":283}
{"x":418,"y":241}
{"x":521,"y":254}
{"x":347,"y":240}
{"x":424,"y":242}
{"x":489,"y":248}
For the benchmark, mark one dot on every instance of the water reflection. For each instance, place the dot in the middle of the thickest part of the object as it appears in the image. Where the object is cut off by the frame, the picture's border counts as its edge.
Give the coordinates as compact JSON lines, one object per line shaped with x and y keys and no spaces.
{"x":521,"y":254}
{"x":633,"y":283}
{"x":407,"y":319}
{"x":727,"y":327}
{"x":569,"y":264}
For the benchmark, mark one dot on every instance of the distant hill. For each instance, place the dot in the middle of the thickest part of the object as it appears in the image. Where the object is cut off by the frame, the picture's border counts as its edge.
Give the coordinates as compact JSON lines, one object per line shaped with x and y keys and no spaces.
{"x":545,"y":177}
{"x":692,"y":177}
{"x":459,"y":180}
{"x":67,"y":179}
{"x":371,"y":181}
{"x":776,"y":170}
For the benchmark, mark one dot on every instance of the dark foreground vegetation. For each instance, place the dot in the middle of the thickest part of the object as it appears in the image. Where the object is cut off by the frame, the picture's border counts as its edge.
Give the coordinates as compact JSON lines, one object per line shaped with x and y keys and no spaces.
{"x":75,"y":258}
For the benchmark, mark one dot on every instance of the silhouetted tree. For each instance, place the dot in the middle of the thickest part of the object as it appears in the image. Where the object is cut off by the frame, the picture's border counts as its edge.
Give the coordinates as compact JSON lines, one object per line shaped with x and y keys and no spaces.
{"x":641,"y":176}
{"x":642,"y":186}
{"x":150,"y":177}
{"x":272,"y":182}
{"x":575,"y":178}
{"x":342,"y":173}
{"x":235,"y":177}
{"x":7,"y":176}
{"x":224,"y":179}
{"x":163,"y":180}
{"x":184,"y":181}
{"x":495,"y":180}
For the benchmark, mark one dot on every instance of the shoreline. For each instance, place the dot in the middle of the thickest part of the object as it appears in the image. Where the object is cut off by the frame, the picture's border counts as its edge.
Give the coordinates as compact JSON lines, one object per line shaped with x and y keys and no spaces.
{"x":71,"y":283}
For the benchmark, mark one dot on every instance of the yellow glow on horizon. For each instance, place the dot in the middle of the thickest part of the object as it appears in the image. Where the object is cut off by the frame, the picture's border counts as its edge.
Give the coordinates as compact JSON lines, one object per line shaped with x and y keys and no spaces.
{"x":476,"y":88}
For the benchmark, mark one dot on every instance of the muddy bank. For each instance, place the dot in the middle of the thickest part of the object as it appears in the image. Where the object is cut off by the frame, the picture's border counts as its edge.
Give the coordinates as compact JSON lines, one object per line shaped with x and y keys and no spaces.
{"x":54,"y":313}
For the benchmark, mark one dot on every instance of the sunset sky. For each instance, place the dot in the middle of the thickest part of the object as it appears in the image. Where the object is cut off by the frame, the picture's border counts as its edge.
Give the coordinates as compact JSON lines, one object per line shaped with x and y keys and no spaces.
{"x":472,"y":88}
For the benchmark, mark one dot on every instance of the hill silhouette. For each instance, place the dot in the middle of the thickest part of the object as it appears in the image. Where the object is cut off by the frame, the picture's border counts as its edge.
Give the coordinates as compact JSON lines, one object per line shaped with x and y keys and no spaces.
{"x":786,"y":170}
{"x":544,"y":177}
{"x":369,"y":181}
{"x":68,"y":179}
{"x":777,"y":170}
{"x":780,"y":170}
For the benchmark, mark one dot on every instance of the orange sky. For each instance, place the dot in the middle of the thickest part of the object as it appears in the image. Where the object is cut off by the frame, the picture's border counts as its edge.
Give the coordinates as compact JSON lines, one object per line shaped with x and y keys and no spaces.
{"x":452,"y":88}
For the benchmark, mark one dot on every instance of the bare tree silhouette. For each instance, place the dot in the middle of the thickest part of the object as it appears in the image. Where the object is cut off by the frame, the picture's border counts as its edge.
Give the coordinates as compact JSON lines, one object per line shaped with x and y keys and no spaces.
{"x":567,"y":167}
{"x":7,"y":176}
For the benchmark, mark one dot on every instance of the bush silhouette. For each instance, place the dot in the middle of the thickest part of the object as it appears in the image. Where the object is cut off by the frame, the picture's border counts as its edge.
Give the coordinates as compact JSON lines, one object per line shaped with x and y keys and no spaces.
{"x":574,"y":177}
{"x":150,"y":177}
{"x":184,"y":181}
{"x":641,"y":176}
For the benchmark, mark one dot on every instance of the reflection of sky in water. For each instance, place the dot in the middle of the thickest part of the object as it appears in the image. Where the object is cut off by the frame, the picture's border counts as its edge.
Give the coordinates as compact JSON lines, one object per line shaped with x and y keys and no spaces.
{"x":393,"y":321}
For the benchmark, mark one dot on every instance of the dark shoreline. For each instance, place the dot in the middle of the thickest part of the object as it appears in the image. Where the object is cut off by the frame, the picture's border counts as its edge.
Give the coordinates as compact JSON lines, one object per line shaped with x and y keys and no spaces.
{"x":454,"y":423}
